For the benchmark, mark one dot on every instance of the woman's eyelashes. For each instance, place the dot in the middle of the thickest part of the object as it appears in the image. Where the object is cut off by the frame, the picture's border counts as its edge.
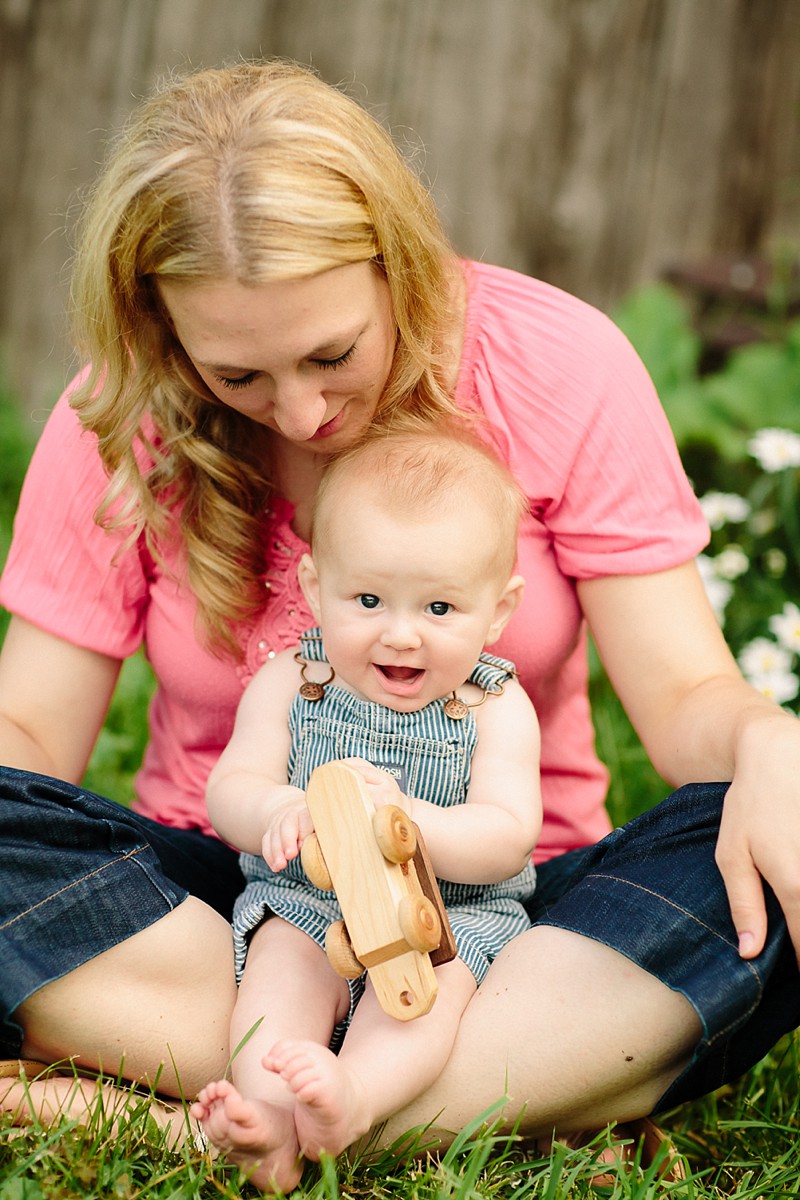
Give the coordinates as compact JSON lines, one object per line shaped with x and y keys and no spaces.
{"x":325,"y":364}
{"x":330,"y":364}
{"x":240,"y":382}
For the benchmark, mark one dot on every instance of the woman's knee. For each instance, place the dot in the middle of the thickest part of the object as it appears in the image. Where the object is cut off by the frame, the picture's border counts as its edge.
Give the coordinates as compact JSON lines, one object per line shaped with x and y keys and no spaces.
{"x":156,"y":1007}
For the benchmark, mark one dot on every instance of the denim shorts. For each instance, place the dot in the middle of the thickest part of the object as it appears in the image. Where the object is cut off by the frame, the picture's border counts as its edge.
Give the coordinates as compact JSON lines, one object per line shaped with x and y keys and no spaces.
{"x":81,"y":874}
{"x":652,"y":891}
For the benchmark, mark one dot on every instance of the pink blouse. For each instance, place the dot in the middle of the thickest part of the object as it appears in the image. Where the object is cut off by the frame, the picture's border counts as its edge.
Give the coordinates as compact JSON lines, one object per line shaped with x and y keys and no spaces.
{"x":576,"y":416}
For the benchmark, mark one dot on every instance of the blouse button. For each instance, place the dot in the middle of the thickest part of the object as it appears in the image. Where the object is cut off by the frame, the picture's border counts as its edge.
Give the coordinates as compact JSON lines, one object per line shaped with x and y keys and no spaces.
{"x":272,"y":654}
{"x":262,"y":645}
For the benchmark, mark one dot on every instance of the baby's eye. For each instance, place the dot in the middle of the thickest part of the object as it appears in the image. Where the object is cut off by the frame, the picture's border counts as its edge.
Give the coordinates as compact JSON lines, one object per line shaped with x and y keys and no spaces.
{"x":439,"y":608}
{"x":367,"y":600}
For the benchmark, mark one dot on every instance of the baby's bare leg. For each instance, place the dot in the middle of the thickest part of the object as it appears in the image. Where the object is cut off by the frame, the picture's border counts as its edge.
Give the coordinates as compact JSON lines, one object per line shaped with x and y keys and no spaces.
{"x":288,"y":987}
{"x":383,"y":1064}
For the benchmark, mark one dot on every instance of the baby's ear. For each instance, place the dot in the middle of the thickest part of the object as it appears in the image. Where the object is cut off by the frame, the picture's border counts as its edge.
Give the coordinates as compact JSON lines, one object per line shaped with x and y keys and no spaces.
{"x":507,"y":605}
{"x":309,"y":582}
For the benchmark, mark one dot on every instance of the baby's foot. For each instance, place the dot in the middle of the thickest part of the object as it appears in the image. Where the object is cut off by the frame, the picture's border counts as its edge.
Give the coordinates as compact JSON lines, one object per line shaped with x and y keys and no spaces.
{"x":259,"y":1136}
{"x":331,"y":1111}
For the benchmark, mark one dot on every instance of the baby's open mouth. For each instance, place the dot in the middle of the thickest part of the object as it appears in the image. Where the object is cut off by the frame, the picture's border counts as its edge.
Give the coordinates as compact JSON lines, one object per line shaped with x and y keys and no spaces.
{"x":399,"y":674}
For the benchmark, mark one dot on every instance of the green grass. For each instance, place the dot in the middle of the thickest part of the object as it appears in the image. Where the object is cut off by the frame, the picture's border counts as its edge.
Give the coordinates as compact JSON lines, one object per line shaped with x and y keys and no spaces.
{"x":741,"y":1142}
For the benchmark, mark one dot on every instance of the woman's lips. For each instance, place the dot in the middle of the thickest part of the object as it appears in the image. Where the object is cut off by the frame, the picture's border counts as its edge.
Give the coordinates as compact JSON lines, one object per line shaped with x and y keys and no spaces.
{"x":330,"y":427}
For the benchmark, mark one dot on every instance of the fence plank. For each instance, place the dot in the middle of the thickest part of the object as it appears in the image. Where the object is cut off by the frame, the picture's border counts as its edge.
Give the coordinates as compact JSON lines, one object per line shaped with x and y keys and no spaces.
{"x":592,"y":142}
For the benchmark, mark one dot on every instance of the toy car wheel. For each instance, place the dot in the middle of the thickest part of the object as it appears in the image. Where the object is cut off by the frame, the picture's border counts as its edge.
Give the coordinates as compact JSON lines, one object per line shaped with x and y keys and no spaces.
{"x":420,"y":924}
{"x":313,"y":864}
{"x":340,"y":952}
{"x":394,"y":833}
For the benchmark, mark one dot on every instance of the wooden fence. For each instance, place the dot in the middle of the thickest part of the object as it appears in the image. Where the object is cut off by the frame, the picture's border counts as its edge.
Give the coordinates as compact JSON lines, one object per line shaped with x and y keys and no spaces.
{"x":591,"y":142}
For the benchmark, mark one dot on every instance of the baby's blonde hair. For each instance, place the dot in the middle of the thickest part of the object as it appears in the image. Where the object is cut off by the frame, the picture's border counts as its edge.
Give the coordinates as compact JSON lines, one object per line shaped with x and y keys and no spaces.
{"x":418,"y":473}
{"x":255,"y":172}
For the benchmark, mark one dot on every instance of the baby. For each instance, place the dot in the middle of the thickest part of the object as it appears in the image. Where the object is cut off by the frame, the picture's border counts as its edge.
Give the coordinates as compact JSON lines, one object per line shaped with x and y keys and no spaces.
{"x":410,"y":576}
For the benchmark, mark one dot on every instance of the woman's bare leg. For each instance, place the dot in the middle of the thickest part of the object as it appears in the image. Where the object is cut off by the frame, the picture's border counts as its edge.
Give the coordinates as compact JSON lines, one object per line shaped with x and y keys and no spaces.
{"x":155,"y":1009}
{"x":572,"y":1032}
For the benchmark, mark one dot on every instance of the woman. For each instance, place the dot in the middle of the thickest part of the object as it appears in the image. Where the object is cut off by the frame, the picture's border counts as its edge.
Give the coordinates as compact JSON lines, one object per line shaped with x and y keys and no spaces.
{"x":261,"y":281}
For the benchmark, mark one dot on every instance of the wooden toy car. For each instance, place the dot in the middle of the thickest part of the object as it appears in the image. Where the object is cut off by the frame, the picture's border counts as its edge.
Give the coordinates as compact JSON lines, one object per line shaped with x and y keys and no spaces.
{"x":395,"y":925}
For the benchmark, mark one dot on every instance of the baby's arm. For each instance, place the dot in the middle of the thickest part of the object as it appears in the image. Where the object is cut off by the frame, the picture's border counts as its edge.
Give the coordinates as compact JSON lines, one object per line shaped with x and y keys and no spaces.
{"x":491,"y":837}
{"x":250,"y":801}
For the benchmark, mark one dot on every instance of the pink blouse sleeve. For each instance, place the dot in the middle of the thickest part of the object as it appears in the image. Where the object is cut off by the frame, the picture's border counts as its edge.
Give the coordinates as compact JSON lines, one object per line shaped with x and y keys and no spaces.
{"x":61,"y":573}
{"x":584,"y":431}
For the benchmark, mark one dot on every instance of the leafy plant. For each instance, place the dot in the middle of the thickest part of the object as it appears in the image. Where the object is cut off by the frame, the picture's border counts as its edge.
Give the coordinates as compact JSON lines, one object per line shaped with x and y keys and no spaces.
{"x":738,"y":431}
{"x":713,"y":416}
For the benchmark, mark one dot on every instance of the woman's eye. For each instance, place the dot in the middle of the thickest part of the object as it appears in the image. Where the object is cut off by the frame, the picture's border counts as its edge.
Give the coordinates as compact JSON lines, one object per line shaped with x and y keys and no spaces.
{"x":330,"y":364}
{"x":367,"y":600}
{"x":233,"y":384}
{"x":439,"y":608}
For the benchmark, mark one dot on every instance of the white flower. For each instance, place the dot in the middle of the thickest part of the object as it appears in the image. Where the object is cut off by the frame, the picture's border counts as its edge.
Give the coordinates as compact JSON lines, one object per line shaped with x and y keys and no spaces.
{"x":763,"y":522}
{"x":721,"y":507}
{"x":764,"y":657}
{"x":718,"y":591}
{"x":731,"y":562}
{"x":786,"y":627}
{"x":775,"y":562}
{"x":780,"y":686}
{"x":775,"y":449}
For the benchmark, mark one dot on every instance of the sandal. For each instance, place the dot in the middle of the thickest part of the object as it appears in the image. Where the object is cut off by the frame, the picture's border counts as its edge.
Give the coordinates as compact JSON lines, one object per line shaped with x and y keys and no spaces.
{"x":10,"y":1068}
{"x":653,"y":1139}
{"x":627,"y":1136}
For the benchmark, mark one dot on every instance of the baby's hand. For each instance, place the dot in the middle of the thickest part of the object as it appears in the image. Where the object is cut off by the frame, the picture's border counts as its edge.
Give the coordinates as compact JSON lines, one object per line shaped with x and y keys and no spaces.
{"x":289,"y":825}
{"x":383,"y":788}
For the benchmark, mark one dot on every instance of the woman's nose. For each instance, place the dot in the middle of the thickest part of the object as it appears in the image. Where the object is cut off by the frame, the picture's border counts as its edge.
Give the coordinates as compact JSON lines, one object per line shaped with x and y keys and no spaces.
{"x":298,"y":410}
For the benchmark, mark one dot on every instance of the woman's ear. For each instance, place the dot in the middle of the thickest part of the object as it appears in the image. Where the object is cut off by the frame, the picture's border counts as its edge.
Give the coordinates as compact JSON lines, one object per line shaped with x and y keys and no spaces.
{"x":507,"y":604}
{"x":309,"y":582}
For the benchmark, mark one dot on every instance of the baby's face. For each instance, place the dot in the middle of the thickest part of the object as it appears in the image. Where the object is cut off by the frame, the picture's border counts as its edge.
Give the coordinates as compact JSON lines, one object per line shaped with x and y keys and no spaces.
{"x":406,"y":604}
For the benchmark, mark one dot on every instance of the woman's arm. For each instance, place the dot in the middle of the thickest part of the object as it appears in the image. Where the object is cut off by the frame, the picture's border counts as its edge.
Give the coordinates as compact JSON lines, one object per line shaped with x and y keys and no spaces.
{"x":699,"y":720}
{"x":54,"y":697}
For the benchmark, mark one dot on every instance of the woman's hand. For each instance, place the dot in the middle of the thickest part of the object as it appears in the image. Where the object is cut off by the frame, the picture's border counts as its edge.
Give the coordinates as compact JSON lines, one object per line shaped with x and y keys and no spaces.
{"x":759,"y":836}
{"x":289,"y":825}
{"x":701,"y":722}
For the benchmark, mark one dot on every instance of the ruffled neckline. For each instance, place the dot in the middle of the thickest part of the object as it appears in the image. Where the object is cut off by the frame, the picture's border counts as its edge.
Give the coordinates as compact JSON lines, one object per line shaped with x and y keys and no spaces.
{"x":285,"y":615}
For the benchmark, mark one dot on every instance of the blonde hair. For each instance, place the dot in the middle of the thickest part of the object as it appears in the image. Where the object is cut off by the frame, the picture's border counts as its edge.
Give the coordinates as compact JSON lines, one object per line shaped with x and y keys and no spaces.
{"x":254,"y":172}
{"x":419,"y":472}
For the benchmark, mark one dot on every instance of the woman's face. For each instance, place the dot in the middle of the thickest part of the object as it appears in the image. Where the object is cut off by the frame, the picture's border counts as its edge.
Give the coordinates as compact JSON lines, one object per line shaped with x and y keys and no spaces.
{"x":308,"y":358}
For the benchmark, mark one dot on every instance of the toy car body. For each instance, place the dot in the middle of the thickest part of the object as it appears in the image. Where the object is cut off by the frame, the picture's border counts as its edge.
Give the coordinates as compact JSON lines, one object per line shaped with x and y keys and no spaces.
{"x":394,"y":922}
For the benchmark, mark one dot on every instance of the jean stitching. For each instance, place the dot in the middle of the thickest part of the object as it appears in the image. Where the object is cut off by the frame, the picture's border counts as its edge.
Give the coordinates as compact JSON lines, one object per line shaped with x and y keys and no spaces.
{"x":685,"y":911}
{"x":74,"y":883}
{"x":665,"y":900}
